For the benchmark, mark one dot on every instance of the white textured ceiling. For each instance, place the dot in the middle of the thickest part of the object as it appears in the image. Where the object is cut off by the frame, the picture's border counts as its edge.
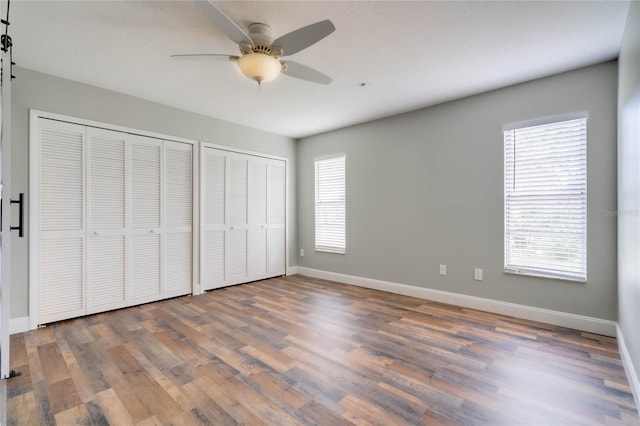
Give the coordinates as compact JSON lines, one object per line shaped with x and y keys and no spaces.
{"x":410,"y":54}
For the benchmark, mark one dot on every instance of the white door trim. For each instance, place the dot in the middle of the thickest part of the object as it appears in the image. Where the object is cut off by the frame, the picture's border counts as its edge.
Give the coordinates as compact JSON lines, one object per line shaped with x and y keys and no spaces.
{"x":34,"y":113}
{"x":5,"y":280}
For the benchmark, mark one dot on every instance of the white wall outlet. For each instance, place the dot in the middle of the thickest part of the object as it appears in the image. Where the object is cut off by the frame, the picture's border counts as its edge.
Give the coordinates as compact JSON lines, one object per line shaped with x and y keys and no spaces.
{"x":301,"y":252}
{"x":443,"y":269}
{"x":477,"y":274}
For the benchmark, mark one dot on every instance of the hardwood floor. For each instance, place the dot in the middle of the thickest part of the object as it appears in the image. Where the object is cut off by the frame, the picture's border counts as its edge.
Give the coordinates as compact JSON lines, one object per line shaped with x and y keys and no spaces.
{"x":297,"y":350}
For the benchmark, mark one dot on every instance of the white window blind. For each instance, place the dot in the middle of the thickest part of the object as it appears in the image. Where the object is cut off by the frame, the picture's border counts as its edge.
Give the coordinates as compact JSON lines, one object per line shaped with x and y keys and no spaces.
{"x":546,"y":200}
{"x":330,"y":204}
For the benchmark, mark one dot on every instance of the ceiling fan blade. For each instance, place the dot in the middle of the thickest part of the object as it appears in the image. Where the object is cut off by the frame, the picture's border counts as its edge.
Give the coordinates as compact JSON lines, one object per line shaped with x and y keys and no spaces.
{"x":303,"y":72}
{"x":205,"y":57}
{"x":224,"y":23}
{"x":304,"y":37}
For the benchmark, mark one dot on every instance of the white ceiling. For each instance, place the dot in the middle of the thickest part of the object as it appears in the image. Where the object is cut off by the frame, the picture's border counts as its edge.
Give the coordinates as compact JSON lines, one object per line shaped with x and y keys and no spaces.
{"x":410,"y":54}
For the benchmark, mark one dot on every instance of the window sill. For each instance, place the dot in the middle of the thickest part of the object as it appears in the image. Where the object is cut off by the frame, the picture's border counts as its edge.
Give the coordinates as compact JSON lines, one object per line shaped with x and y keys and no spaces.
{"x":328,"y":250}
{"x":542,"y":274}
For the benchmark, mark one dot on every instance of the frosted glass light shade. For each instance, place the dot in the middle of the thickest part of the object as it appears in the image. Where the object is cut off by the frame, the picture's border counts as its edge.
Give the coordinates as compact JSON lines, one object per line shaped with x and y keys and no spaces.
{"x":259,"y":66}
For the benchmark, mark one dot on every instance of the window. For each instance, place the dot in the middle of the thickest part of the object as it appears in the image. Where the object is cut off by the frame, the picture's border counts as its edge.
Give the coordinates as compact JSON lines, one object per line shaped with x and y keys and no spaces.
{"x":330,"y":204}
{"x":545,"y":178}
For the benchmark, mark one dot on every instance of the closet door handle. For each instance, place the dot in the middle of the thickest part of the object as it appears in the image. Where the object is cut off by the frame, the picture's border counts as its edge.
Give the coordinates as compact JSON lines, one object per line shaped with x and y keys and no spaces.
{"x":232,"y":227}
{"x":153,"y":231}
{"x":97,"y":233}
{"x":20,"y":227}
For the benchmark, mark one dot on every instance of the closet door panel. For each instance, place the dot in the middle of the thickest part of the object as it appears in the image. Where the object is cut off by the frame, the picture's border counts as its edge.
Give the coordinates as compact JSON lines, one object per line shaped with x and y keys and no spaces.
{"x":178,"y":264}
{"x":61,"y":221}
{"x":258,"y":191}
{"x":61,"y":183}
{"x":145,"y":182}
{"x":145,"y":268}
{"x":238,"y":190}
{"x":214,"y":218}
{"x":177,"y":230}
{"x":61,"y":278}
{"x":213,"y":265}
{"x":257,"y":253}
{"x":257,"y":237}
{"x":106,"y":220}
{"x":277,"y":218}
{"x":145,"y":230}
{"x":106,"y":273}
{"x":106,"y":179}
{"x":277,"y":252}
{"x":236,"y":255}
{"x":238,"y":196}
{"x":178,"y":185}
{"x":277,"y":191}
{"x":214,"y":187}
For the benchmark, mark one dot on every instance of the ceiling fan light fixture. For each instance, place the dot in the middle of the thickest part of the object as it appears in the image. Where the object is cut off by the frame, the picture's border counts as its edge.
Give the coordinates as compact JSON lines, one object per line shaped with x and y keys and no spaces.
{"x":259,"y":66}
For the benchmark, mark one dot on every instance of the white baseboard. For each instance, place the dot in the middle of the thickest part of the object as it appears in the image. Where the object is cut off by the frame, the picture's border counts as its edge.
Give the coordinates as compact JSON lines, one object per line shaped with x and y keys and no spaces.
{"x":632,"y":374}
{"x":292,"y":270}
{"x":18,"y":325}
{"x":577,"y":322}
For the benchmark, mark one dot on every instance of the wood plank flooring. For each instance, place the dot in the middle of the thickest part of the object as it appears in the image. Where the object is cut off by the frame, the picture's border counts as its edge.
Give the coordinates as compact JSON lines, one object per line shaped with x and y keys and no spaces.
{"x":297,"y":350}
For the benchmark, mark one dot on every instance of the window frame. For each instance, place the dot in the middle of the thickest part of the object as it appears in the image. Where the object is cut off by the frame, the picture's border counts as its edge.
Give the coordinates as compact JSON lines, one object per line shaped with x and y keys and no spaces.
{"x":328,"y":248}
{"x":549,"y":271}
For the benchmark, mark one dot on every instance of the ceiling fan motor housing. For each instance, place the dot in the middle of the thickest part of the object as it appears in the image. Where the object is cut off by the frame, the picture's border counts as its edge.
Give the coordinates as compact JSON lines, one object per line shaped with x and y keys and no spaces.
{"x":261,"y":36}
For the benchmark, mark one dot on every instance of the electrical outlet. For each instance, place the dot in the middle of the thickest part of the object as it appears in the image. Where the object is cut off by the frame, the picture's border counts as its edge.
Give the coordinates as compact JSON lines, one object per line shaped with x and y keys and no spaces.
{"x":301,"y":252}
{"x":443,"y":269}
{"x":477,"y":274}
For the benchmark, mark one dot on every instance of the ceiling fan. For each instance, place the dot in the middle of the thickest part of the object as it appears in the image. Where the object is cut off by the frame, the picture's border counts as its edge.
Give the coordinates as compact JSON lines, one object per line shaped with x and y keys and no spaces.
{"x":260,"y":54}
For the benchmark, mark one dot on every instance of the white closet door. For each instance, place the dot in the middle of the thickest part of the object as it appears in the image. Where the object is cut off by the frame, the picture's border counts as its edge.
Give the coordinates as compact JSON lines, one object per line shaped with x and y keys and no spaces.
{"x":257,"y":237}
{"x":213,"y":218}
{"x":243,"y":218}
{"x":177,"y":230}
{"x":277,"y":218}
{"x":238,"y":195}
{"x":106,"y":220}
{"x":145,"y":230}
{"x":61,"y":220}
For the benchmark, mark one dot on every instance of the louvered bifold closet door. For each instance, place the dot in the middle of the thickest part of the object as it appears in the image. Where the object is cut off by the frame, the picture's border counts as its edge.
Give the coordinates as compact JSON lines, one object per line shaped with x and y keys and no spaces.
{"x":106,"y":220}
{"x":257,"y":208}
{"x":237,"y":233}
{"x":277,"y":218}
{"x":61,"y":218}
{"x":177,"y":230}
{"x":146,"y":228}
{"x":214,"y":218}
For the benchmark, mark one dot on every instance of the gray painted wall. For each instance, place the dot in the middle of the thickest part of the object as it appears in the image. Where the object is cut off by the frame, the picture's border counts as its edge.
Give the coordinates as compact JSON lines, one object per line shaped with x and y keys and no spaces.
{"x":426,"y":188}
{"x":47,"y":93}
{"x":629,"y":186}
